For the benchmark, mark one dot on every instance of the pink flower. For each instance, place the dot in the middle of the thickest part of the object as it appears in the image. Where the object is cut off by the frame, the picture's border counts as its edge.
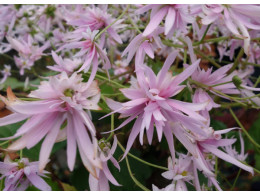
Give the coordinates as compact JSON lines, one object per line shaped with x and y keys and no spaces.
{"x":89,"y":49}
{"x":104,"y":175}
{"x":120,"y":67}
{"x":150,"y":101}
{"x":213,"y":78}
{"x":237,"y":18}
{"x":176,"y":18}
{"x":142,"y":45}
{"x":21,"y":174}
{"x":179,"y":172}
{"x":28,"y":52}
{"x":6,"y":73}
{"x":170,"y":187}
{"x":65,"y":65}
{"x":62,"y":101}
{"x":94,"y":18}
{"x":202,"y":149}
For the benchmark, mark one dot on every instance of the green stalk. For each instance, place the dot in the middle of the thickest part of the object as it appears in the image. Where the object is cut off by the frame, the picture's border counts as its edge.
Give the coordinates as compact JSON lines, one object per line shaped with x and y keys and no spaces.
{"x":112,"y":127}
{"x":1,"y":184}
{"x":252,"y":64}
{"x":239,"y":56}
{"x":134,"y":25}
{"x":133,"y":178}
{"x":170,"y":44}
{"x":106,"y":79}
{"x":207,"y":58}
{"x":185,"y":56}
{"x":117,"y":76}
{"x":209,"y":88}
{"x":234,"y":184}
{"x":221,"y":84}
{"x":216,"y":168}
{"x":204,"y":35}
{"x":243,"y":128}
{"x":21,"y":154}
{"x":3,"y":143}
{"x":140,"y":160}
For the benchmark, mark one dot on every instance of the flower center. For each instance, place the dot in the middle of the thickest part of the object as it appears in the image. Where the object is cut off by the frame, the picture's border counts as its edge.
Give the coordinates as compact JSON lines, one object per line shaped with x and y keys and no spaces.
{"x":154,"y":92}
{"x":68,"y":92}
{"x":184,"y":173}
{"x":21,"y":165}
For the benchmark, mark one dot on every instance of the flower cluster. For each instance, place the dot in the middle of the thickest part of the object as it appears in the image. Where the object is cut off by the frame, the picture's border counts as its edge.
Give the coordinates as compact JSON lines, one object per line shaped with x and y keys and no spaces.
{"x":166,"y":69}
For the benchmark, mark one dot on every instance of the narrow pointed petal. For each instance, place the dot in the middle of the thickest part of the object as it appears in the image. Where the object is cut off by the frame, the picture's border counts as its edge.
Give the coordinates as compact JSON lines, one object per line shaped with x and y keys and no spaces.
{"x":12,"y":118}
{"x":71,"y":143}
{"x":48,"y":144}
{"x":38,"y":182}
{"x":227,"y":158}
{"x":135,"y":131}
{"x":169,"y":20}
{"x":155,"y":21}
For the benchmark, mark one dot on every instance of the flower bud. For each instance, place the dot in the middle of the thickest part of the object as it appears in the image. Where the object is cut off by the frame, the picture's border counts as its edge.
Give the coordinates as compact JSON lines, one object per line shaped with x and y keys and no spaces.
{"x":237,"y":81}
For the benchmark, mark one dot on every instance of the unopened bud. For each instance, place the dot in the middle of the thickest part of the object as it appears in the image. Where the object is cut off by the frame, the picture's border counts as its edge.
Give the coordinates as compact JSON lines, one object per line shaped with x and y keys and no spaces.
{"x":237,"y":81}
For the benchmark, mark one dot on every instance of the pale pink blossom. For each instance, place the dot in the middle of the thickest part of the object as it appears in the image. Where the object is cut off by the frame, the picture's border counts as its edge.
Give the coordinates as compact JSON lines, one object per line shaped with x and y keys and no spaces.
{"x":89,"y":50}
{"x":237,"y":18}
{"x":179,"y":172}
{"x":21,"y":174}
{"x":120,"y":67}
{"x":202,"y":148}
{"x":62,"y":100}
{"x":65,"y":65}
{"x":28,"y":52}
{"x":104,"y":175}
{"x":150,"y":101}
{"x":6,"y":73}
{"x":95,"y":18}
{"x":142,"y":45}
{"x":176,"y":18}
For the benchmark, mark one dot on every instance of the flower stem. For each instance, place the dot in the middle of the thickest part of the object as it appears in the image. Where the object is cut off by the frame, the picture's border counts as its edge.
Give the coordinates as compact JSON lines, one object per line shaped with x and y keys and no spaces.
{"x":106,"y":79}
{"x":133,"y":178}
{"x":1,"y":184}
{"x":204,"y":35}
{"x":142,"y":161}
{"x":21,"y":154}
{"x":239,"y":56}
{"x":170,"y":44}
{"x":207,"y":58}
{"x":245,"y":98}
{"x":243,"y":128}
{"x":134,"y":25}
{"x":209,"y":88}
{"x":252,"y":64}
{"x":107,"y":27}
{"x":185,"y":56}
{"x":117,"y":76}
{"x":112,"y":127}
{"x":234,"y":184}
{"x":257,"y":82}
{"x":3,"y":143}
{"x":221,"y":84}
